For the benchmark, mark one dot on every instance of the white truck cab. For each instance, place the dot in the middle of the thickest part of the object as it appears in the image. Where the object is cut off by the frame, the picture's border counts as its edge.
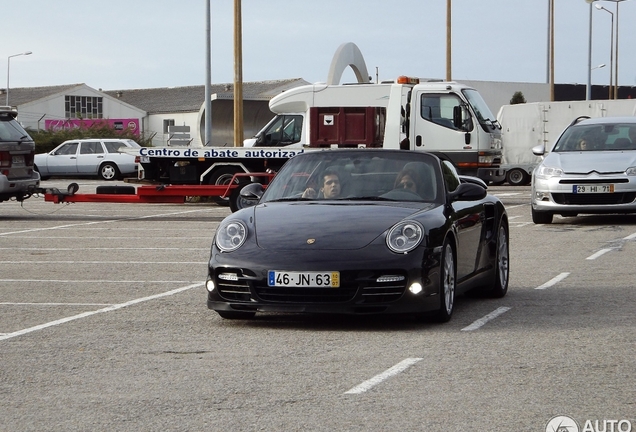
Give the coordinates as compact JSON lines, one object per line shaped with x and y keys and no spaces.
{"x":441,"y":117}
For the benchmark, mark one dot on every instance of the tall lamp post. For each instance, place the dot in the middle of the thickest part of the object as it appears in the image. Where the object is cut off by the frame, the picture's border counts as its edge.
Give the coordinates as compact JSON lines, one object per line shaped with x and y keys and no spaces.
{"x":611,"y":87}
{"x":9,"y":68}
{"x":588,"y":89}
{"x":551,"y":45}
{"x":616,"y":51}
{"x":448,"y":41}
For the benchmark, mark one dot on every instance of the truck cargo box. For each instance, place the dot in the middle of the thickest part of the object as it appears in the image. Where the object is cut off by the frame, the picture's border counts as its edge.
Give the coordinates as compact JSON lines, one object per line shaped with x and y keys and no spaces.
{"x":347,"y":126}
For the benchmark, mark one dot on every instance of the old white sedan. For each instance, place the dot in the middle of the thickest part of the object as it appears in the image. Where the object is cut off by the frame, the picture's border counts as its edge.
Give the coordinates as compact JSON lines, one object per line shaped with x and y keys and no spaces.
{"x":88,"y":157}
{"x":590,"y":170}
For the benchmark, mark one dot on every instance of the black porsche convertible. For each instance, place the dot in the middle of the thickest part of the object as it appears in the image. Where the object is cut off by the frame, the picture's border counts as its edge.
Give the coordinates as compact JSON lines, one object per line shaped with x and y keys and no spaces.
{"x":360,"y":231}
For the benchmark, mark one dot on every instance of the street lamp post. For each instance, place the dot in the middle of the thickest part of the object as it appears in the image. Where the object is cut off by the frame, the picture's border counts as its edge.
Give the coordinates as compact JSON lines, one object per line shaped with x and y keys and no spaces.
{"x":611,"y":87}
{"x":551,"y":45}
{"x":588,"y":89}
{"x":616,"y":51}
{"x":448,"y":41}
{"x":8,"y":69}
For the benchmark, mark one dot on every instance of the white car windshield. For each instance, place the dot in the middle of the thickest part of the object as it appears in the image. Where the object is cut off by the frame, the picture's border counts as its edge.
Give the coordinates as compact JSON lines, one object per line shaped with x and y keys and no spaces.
{"x":598,"y":137}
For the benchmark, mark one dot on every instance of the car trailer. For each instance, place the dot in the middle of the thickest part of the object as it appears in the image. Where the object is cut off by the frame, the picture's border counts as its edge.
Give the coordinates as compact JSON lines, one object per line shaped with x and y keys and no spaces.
{"x":155,"y":194}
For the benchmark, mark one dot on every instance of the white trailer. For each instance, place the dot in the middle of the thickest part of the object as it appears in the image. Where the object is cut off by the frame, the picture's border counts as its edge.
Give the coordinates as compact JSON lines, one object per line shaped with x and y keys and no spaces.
{"x":525,"y":126}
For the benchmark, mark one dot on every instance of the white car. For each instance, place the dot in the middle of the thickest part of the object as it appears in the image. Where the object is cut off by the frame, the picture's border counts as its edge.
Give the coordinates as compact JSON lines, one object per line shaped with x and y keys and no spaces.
{"x":89,"y":157}
{"x":590,"y":170}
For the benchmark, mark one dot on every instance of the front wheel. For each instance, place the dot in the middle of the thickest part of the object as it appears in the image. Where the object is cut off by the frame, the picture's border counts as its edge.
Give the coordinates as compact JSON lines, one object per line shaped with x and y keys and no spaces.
{"x":539,"y":217}
{"x":447,"y":282}
{"x":108,"y":171}
{"x":502,"y":263}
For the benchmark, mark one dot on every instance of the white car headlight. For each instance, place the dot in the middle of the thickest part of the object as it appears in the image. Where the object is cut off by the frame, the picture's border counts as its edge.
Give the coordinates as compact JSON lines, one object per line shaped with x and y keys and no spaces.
{"x":546,"y":172}
{"x":631,"y":171}
{"x":405,"y":236}
{"x":231,"y":235}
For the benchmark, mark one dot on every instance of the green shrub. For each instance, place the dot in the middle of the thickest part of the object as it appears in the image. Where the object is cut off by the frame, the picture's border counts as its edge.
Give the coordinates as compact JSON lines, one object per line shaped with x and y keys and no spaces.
{"x":517,"y":98}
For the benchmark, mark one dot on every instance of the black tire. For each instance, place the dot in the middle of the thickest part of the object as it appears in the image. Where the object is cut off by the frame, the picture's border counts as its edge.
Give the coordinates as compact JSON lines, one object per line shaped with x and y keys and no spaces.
{"x":502,"y":262}
{"x":236,"y":315}
{"x":517,"y":177}
{"x":223,"y":176}
{"x":108,"y":171}
{"x":117,"y":190}
{"x":539,"y":217}
{"x":447,"y":284}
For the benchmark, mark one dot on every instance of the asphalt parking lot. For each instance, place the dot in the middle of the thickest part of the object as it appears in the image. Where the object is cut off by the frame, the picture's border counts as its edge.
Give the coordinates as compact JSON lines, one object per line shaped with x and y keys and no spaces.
{"x":103,"y":326}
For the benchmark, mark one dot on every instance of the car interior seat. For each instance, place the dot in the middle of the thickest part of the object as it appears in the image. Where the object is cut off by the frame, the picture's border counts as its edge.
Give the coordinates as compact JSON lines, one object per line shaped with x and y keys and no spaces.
{"x":622,"y":144}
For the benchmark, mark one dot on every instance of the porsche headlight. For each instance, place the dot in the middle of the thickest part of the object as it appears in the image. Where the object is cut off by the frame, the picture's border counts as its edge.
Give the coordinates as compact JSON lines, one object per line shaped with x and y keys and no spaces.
{"x":405,"y":236}
{"x":547,"y":172}
{"x":231,"y":235}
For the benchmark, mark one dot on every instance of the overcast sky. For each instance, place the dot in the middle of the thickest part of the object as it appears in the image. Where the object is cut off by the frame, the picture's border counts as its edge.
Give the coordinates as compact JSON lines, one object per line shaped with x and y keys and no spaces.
{"x":127,"y":44}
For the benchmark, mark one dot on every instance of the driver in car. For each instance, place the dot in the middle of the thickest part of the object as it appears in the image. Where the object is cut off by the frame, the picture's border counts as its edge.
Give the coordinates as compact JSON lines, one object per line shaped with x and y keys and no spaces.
{"x":330,"y":188}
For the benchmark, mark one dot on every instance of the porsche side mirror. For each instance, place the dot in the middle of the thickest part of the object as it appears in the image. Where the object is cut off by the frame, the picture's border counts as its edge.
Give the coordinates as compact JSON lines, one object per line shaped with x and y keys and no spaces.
{"x":468,"y":192}
{"x":252,"y":192}
{"x":473,"y":179}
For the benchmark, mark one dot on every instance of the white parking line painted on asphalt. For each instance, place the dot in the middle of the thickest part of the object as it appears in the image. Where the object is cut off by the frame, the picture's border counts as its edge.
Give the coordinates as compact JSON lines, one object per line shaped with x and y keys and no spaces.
{"x":106,"y":262}
{"x":553,"y":281}
{"x":491,"y":316}
{"x":507,"y":194}
{"x":99,"y":222}
{"x":55,"y":304}
{"x":106,"y":309}
{"x":521,"y":224}
{"x":128,"y":238}
{"x":85,"y":281}
{"x":515,"y":206}
{"x":599,"y":253}
{"x":400,"y":367}
{"x":100,"y":248}
{"x":630,"y":237}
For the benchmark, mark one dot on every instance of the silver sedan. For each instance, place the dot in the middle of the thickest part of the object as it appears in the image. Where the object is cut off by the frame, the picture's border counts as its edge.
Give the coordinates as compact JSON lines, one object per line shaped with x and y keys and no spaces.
{"x":590,"y":170}
{"x":88,"y":157}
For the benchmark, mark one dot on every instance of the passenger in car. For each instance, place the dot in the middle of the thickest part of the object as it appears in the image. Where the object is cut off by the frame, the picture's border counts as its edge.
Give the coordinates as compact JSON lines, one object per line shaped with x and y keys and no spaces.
{"x":409,"y":179}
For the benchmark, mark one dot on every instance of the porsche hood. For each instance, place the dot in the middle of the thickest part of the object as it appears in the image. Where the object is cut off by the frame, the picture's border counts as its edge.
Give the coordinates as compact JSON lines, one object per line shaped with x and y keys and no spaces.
{"x":324,"y":226}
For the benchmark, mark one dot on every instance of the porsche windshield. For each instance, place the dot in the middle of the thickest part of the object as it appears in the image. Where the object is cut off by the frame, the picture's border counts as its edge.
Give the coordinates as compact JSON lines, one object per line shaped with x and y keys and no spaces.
{"x":357,"y":175}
